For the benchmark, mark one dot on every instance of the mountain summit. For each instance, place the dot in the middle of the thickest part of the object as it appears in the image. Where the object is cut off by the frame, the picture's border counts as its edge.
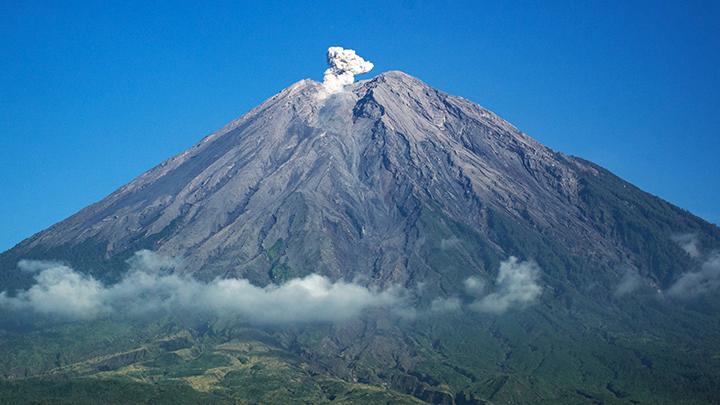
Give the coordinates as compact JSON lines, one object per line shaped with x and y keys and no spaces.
{"x":390,"y":182}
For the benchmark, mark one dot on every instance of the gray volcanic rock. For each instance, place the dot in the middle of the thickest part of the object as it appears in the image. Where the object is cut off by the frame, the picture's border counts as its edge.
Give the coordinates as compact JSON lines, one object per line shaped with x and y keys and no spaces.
{"x":368,"y":182}
{"x":393,"y":182}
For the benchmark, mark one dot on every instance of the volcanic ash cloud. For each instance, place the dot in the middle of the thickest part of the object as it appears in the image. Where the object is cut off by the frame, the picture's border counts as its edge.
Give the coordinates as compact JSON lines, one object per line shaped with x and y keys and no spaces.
{"x":343,"y":64}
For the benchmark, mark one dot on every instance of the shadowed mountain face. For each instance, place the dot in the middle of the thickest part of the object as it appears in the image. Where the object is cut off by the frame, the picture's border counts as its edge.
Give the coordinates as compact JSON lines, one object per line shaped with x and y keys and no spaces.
{"x":393,"y":182}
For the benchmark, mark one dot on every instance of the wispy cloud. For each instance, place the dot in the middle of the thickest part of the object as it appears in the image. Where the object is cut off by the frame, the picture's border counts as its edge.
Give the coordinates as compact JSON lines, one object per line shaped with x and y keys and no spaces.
{"x":695,"y":283}
{"x":702,"y":281}
{"x":629,"y":283}
{"x":689,"y":243}
{"x":444,"y":305}
{"x":516,"y":286}
{"x":474,"y":286}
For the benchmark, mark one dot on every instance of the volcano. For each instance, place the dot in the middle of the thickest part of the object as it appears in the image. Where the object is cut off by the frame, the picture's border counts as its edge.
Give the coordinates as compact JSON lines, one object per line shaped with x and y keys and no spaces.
{"x":392,"y":182}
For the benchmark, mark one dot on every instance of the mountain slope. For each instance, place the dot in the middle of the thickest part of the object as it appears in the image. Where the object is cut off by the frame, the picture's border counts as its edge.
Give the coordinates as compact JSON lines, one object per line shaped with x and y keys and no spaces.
{"x":337,"y":185}
{"x":393,"y":182}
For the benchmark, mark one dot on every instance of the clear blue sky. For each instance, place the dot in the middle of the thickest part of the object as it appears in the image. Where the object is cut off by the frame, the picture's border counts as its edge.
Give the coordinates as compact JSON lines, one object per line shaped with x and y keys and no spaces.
{"x":92,"y":95}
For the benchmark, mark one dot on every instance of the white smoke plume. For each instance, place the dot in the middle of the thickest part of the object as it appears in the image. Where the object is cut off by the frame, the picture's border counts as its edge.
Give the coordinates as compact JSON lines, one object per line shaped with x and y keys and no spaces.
{"x":343,"y":64}
{"x":516,"y":286}
{"x":61,"y":292}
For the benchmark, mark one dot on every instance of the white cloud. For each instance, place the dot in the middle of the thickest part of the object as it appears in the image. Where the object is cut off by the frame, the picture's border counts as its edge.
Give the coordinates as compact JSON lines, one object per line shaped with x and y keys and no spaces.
{"x":474,"y":286}
{"x":516,"y":286}
{"x":343,"y":64}
{"x":703,"y":281}
{"x":630,"y":282}
{"x":150,"y":286}
{"x":59,"y":291}
{"x":699,"y":282}
{"x":32,"y":266}
{"x":312,"y":298}
{"x":689,"y":243}
{"x":444,"y":305}
{"x":62,"y":292}
{"x":149,"y":261}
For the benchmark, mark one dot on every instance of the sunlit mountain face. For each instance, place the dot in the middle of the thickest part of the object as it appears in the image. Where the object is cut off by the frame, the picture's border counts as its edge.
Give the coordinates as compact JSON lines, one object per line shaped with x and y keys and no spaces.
{"x":377,"y":241}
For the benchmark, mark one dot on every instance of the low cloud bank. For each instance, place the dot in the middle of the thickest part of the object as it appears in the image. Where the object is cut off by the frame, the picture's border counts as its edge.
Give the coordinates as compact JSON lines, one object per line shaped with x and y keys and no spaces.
{"x":150,"y":286}
{"x":58,"y":291}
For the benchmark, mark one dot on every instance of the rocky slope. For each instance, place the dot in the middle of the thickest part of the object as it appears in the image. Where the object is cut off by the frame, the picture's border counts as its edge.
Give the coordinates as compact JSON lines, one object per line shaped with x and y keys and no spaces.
{"x":338,"y":185}
{"x":394,"y":182}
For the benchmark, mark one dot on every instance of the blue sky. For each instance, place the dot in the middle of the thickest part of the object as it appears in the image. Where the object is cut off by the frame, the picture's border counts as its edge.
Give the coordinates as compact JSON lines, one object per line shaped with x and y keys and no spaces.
{"x":93,"y":94}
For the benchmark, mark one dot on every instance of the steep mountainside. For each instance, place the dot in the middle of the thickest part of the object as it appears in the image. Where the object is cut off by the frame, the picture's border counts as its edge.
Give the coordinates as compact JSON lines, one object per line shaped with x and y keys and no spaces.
{"x":340,"y":185}
{"x":390,"y":182}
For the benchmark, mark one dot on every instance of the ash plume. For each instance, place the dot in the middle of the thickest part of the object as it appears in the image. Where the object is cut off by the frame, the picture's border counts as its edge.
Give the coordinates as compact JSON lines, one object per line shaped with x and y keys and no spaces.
{"x":343,"y":64}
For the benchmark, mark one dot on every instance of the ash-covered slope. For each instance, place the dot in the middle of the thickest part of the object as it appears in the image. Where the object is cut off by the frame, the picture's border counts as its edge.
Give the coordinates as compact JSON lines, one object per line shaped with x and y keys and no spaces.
{"x":383,"y":181}
{"x":390,"y":182}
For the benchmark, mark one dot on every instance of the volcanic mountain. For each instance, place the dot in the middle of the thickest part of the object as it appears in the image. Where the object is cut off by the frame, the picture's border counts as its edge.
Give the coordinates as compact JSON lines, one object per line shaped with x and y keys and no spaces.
{"x":393,"y":182}
{"x":346,"y":185}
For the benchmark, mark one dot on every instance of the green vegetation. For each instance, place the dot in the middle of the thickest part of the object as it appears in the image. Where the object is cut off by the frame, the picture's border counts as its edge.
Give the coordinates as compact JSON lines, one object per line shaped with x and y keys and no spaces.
{"x":212,"y":369}
{"x":544,"y":354}
{"x":279,"y":270}
{"x":93,"y":391}
{"x":578,"y":344}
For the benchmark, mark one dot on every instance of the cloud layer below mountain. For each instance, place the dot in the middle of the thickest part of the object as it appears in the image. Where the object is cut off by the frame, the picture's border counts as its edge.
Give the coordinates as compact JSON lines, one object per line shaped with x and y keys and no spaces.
{"x":702,"y":281}
{"x":150,"y":286}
